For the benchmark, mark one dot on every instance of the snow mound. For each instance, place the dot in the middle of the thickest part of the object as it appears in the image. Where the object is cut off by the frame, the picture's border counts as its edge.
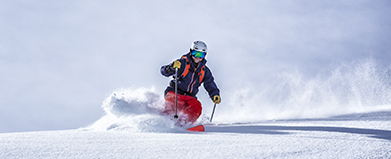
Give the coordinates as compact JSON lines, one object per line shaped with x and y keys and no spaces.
{"x":133,"y":110}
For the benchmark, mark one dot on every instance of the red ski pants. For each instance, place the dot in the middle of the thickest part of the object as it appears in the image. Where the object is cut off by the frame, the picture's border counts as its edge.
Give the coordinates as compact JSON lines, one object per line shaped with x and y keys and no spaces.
{"x":189,"y":108}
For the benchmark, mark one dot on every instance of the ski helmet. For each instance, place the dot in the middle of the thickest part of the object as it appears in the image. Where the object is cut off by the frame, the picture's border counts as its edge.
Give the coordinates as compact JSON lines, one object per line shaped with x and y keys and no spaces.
{"x":198,"y":46}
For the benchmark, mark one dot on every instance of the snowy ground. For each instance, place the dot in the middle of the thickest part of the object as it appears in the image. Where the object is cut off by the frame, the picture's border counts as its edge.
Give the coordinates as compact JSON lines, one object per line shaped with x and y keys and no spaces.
{"x":366,"y":135}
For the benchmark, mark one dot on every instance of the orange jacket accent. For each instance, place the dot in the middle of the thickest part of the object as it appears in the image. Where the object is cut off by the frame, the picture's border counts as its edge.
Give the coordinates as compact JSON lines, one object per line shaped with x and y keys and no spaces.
{"x":186,"y":71}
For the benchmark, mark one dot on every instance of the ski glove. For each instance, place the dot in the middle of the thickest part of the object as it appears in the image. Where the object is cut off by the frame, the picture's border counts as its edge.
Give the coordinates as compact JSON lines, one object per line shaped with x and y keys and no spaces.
{"x":176,"y":64}
{"x":216,"y":99}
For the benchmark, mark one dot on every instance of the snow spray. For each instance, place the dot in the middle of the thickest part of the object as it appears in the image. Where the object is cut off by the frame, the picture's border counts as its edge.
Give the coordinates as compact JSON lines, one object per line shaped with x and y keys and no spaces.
{"x":358,"y":87}
{"x":133,"y":110}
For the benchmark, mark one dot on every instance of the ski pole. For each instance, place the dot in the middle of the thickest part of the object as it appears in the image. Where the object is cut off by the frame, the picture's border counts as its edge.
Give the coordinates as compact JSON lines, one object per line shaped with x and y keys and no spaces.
{"x":176,"y":94}
{"x":213,"y":113}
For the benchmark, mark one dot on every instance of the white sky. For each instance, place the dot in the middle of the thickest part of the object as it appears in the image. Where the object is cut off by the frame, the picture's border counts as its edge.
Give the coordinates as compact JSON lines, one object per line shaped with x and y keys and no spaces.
{"x":60,"y":59}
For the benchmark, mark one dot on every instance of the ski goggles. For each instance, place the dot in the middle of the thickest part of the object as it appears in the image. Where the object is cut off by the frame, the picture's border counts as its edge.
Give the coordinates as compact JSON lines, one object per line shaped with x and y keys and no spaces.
{"x":198,"y":54}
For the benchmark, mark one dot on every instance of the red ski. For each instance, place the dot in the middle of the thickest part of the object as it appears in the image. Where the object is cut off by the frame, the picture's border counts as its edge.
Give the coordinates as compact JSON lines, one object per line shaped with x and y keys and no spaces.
{"x":199,"y":128}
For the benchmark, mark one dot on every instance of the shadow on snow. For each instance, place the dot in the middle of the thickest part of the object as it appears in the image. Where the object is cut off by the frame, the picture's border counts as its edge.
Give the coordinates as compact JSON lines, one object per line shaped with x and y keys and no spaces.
{"x":277,"y":129}
{"x":270,"y":129}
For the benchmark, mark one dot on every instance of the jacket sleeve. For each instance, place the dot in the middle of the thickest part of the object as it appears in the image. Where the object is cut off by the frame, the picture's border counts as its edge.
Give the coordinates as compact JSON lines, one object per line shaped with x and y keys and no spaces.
{"x":209,"y":84}
{"x":168,"y":71}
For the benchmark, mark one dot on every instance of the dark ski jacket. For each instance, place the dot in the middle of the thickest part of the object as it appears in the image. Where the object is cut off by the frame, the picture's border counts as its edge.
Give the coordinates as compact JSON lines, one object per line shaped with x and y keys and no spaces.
{"x":189,"y":84}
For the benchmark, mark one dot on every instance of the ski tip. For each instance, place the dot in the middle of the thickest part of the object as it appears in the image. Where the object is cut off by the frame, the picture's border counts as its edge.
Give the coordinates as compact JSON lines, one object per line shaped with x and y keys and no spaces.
{"x":199,"y":128}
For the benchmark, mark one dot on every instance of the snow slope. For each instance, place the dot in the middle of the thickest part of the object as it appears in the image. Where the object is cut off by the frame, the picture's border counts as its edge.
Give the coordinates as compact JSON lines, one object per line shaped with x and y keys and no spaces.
{"x":133,"y":128}
{"x":366,"y":135}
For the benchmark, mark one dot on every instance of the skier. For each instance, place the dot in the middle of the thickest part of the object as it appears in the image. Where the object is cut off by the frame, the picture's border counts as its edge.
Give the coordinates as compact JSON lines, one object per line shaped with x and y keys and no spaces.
{"x":192,"y":72}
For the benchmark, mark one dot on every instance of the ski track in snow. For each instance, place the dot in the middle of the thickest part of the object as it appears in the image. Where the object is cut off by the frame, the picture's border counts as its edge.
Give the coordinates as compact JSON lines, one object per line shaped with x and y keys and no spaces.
{"x":365,"y":135}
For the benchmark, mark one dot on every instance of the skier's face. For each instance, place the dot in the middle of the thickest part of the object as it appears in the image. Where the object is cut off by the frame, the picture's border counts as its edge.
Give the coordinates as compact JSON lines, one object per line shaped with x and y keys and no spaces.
{"x":197,"y":59}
